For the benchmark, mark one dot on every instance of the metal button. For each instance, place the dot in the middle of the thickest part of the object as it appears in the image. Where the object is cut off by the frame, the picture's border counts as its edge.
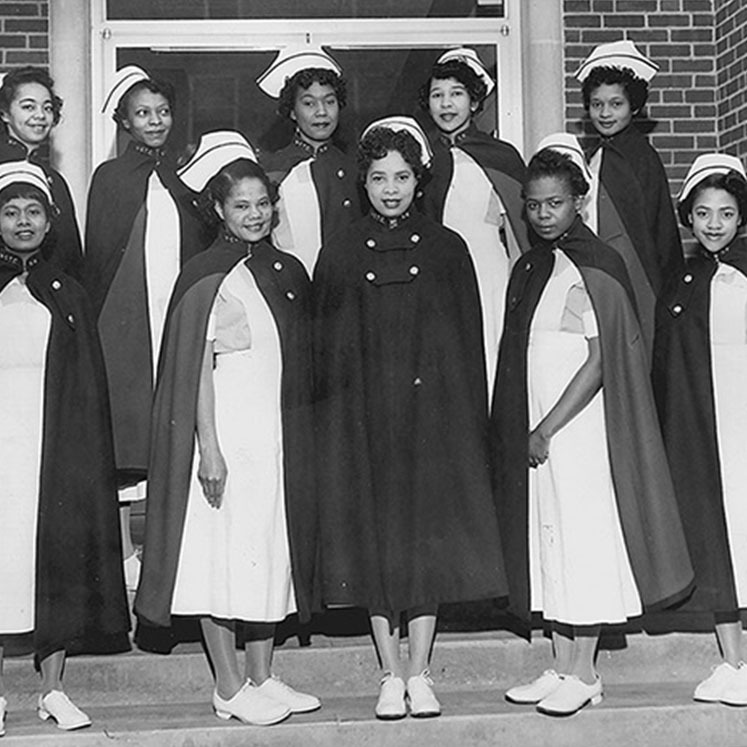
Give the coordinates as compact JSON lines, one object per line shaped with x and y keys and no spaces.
{"x":688,"y":278}
{"x":278,"y":266}
{"x":56,"y":285}
{"x":346,"y":203}
{"x":370,"y":276}
{"x":417,"y":381}
{"x":370,"y":243}
{"x":340,"y":173}
{"x":414,"y":270}
{"x":415,"y":238}
{"x":290,"y":295}
{"x":71,"y":318}
{"x":677,"y":309}
{"x":528,"y":266}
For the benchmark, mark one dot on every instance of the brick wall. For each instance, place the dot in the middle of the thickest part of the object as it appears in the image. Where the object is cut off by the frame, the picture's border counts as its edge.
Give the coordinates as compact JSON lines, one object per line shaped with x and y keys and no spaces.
{"x":24,"y":34}
{"x":680,"y":35}
{"x":731,"y":66}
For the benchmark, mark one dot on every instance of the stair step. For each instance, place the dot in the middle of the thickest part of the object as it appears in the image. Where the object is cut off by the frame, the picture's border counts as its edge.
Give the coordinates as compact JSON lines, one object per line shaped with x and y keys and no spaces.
{"x":333,"y":667}
{"x":651,"y":714}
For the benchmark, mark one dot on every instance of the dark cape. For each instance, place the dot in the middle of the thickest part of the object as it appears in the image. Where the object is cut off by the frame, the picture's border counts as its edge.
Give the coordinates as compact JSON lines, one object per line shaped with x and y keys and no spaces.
{"x":407,"y":516}
{"x":63,"y":246}
{"x":114,"y":275}
{"x":643,"y":488}
{"x":285,"y":287}
{"x":81,"y":604}
{"x":636,"y":217}
{"x":502,"y":165}
{"x":335,"y":175}
{"x":683,"y":385}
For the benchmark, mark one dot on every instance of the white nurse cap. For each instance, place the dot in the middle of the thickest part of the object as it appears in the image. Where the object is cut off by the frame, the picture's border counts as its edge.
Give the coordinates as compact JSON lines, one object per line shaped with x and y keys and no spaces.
{"x":405,"y":124}
{"x":618,"y":54}
{"x":12,"y":172}
{"x":124,"y":79}
{"x":707,"y":165}
{"x":568,"y":145}
{"x":214,"y":151}
{"x":290,"y":61}
{"x":469,"y":57}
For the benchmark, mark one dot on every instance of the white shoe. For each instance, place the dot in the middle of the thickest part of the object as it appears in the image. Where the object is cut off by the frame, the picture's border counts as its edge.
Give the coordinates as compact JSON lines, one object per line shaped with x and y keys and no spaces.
{"x":131,"y":567}
{"x":3,"y":711}
{"x":725,"y":684}
{"x":275,"y":688}
{"x":55,"y":704}
{"x":250,"y":706}
{"x":533,"y":692}
{"x":571,"y":696}
{"x":423,"y":702}
{"x":391,"y":703}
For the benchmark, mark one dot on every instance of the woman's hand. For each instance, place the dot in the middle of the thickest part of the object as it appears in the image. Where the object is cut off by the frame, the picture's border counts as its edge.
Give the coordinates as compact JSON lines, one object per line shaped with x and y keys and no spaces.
{"x":539,"y":448}
{"x":212,"y":473}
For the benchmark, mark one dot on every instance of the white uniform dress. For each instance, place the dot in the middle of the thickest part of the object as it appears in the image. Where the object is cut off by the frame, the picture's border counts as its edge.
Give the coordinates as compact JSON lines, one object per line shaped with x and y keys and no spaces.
{"x":580,"y":572}
{"x":728,"y":325}
{"x":24,"y":331}
{"x":234,"y":561}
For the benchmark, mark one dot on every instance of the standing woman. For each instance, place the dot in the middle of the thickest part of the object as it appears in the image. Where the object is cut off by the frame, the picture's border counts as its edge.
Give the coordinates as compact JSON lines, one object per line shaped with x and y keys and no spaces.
{"x":60,"y":568}
{"x":316,"y":173}
{"x":141,"y":227}
{"x":700,"y":368}
{"x":588,"y":513}
{"x":632,"y":207}
{"x":476,"y":184}
{"x":30,"y":108}
{"x":230,"y":524}
{"x":407,"y":513}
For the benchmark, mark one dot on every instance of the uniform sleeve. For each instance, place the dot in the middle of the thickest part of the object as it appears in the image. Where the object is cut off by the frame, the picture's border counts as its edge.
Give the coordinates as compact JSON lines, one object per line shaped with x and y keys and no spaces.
{"x":578,"y":313}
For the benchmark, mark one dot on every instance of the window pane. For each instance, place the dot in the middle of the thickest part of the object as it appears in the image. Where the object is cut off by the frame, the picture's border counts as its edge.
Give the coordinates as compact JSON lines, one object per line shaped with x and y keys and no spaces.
{"x":217,"y":9}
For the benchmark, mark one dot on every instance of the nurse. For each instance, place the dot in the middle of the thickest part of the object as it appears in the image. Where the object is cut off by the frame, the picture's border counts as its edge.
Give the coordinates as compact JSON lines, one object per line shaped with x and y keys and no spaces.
{"x":316,"y":172}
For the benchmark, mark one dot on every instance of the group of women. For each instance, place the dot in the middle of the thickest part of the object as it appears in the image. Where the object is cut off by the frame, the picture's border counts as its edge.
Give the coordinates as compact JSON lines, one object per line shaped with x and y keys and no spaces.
{"x":415,"y":374}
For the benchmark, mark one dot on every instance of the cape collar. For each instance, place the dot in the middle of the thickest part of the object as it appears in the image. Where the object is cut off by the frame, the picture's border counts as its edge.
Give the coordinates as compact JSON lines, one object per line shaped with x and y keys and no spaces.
{"x":15,"y":263}
{"x":155,"y":154}
{"x":307,"y":147}
{"x":459,"y":138}
{"x":390,"y":223}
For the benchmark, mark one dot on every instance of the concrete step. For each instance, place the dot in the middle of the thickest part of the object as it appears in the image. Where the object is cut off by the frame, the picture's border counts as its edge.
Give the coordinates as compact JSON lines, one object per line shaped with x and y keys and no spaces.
{"x":650,"y":715}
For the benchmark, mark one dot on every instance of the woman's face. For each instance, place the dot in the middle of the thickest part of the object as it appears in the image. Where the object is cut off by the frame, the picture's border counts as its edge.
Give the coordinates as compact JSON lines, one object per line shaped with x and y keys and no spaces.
{"x":609,"y":109}
{"x":149,"y":118}
{"x":23,"y":224}
{"x":316,"y":112}
{"x":450,"y":106}
{"x":30,"y":116}
{"x":715,"y":218}
{"x":247,"y":211}
{"x":550,"y":206}
{"x":391,"y":184}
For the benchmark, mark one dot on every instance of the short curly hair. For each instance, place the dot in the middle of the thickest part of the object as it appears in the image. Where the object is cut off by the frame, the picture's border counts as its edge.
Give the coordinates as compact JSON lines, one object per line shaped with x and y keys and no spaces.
{"x":221,"y":184}
{"x":153,"y":85}
{"x":382,"y":140}
{"x":18,"y":77}
{"x":550,"y":162}
{"x":634,"y":88}
{"x":732,"y":182}
{"x":304,"y":79}
{"x":460,"y":71}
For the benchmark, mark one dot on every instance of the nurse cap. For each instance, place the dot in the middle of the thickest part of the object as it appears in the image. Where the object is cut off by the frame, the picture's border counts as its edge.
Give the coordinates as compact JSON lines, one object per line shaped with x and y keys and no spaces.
{"x":214,"y":151}
{"x":12,"y":172}
{"x":290,"y":61}
{"x":469,"y":57}
{"x":568,"y":145}
{"x":405,"y":124}
{"x":124,"y":79}
{"x":618,"y":54}
{"x":707,"y":165}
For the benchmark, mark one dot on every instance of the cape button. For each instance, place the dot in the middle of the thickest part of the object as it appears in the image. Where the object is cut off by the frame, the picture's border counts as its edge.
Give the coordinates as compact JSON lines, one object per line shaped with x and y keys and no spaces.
{"x":414,"y":270}
{"x":346,"y":202}
{"x":370,"y":243}
{"x":417,"y":381}
{"x":278,"y":266}
{"x":370,"y":276}
{"x":340,"y":173}
{"x":688,"y":278}
{"x":415,"y":238}
{"x":677,"y":309}
{"x":56,"y":285}
{"x":527,"y":266}
{"x":70,"y":318}
{"x":290,"y":295}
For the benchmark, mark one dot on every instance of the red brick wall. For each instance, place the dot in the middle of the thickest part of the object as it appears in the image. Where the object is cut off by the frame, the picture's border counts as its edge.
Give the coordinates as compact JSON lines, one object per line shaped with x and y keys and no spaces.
{"x":731,"y":66}
{"x":680,"y":35}
{"x":24,"y":34}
